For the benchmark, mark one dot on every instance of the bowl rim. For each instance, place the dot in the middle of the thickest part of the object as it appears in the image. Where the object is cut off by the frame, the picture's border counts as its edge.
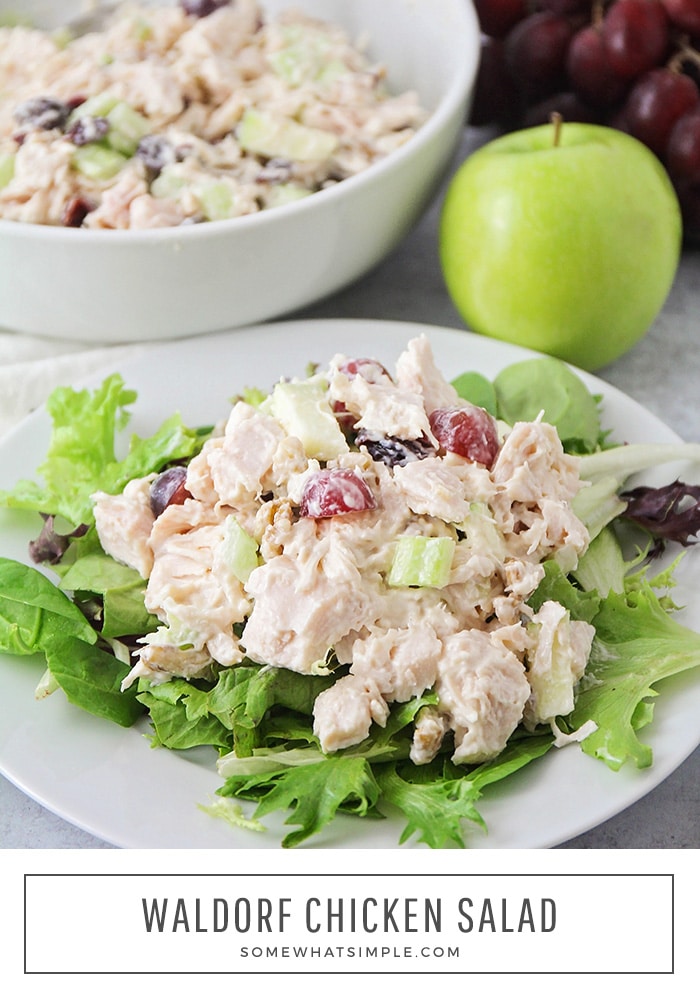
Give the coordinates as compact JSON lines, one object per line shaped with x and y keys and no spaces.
{"x":454,"y":97}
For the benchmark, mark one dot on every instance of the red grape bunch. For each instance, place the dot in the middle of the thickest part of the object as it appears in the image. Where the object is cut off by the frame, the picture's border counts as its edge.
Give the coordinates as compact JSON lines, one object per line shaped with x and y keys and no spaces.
{"x":631,"y":64}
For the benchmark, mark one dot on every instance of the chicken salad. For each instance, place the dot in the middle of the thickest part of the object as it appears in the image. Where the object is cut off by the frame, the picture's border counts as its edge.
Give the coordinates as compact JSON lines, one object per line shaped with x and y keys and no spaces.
{"x":370,"y":553}
{"x":187,"y":113}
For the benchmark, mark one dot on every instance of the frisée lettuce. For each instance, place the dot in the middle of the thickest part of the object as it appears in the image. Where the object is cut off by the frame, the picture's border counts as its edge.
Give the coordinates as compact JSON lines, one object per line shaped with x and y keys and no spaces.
{"x":84,"y":613}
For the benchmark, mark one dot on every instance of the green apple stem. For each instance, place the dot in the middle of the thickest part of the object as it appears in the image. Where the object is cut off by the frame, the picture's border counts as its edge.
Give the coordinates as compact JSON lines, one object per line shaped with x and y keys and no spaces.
{"x":556,"y":120}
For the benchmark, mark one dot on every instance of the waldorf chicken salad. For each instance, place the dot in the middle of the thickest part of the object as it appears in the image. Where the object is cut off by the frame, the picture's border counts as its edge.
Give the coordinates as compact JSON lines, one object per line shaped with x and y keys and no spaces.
{"x":191,"y":112}
{"x":409,"y":556}
{"x":367,"y":590}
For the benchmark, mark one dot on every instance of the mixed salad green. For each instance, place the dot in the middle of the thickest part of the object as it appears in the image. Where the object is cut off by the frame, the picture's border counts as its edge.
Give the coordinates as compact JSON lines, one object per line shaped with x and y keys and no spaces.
{"x":257,"y":717}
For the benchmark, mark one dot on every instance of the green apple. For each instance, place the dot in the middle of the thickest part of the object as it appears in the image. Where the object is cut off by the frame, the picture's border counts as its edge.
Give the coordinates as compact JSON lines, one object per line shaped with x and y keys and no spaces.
{"x":564,"y":239}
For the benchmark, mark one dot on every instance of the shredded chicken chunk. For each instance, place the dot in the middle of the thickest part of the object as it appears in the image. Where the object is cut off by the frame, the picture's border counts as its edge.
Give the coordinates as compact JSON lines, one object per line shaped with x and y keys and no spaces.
{"x":124,"y":524}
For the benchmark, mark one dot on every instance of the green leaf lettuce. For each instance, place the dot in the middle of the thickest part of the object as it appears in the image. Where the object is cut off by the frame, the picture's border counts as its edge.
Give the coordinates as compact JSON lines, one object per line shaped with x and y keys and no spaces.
{"x":637,"y":644}
{"x":81,"y":457}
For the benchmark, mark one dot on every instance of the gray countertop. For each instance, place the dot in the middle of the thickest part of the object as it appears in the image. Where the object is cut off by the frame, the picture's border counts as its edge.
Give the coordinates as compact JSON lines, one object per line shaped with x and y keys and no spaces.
{"x":662,"y":372}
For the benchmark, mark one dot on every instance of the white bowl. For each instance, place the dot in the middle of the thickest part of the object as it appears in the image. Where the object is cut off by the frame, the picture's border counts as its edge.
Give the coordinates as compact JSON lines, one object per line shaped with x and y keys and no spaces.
{"x":119,"y":286}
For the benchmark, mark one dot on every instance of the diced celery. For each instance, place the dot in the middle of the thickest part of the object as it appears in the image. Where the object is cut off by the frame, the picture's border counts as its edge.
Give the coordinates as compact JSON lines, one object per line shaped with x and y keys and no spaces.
{"x":97,"y":106}
{"x":304,"y":411}
{"x":285,"y":194}
{"x":127,"y":127}
{"x":263,"y":133}
{"x":240,"y":550}
{"x":99,"y":163}
{"x":7,"y":168}
{"x":420,"y":561}
{"x":217,"y":201}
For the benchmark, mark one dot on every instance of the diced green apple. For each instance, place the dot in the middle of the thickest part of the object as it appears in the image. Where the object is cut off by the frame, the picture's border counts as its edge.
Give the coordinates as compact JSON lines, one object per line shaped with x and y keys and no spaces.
{"x":217,"y":200}
{"x":240,"y":549}
{"x":285,"y":194}
{"x":268,"y":135}
{"x":304,"y":411}
{"x":168,"y":183}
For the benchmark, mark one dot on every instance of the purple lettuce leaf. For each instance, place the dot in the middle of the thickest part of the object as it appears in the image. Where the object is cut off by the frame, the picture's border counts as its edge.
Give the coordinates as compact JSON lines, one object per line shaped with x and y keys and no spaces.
{"x":668,"y":513}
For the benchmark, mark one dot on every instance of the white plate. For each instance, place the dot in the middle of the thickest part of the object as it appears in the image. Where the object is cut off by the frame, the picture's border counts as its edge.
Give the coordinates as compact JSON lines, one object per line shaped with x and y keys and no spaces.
{"x":111,"y":783}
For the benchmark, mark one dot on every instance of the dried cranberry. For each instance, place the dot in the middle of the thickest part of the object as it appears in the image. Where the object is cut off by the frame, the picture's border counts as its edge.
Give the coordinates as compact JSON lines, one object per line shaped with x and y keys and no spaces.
{"x":87,"y":129}
{"x":369,"y":369}
{"x":202,"y":8}
{"x":468,"y":431}
{"x":330,"y":492}
{"x":155,"y":152}
{"x":169,"y":488}
{"x":393,"y":451}
{"x":42,"y":113}
{"x":75,"y":211}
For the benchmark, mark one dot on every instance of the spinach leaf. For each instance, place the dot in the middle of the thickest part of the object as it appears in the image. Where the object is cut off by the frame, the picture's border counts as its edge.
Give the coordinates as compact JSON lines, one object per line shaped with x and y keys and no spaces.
{"x":477,"y":389}
{"x":91,"y":679}
{"x":122,"y":591}
{"x":34,"y":612}
{"x":527,"y":388}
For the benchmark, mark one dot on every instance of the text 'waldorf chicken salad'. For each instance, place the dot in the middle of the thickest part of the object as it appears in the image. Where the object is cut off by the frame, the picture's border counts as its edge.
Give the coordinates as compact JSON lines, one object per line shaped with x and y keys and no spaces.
{"x":369,"y":592}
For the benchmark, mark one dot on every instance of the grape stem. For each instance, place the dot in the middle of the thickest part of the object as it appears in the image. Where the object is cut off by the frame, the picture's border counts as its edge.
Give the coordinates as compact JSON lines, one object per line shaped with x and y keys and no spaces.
{"x":685,"y":53}
{"x":556,"y":120}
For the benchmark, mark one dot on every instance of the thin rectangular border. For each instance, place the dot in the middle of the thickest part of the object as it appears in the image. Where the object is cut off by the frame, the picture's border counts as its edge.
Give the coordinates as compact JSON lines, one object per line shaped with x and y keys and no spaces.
{"x":358,"y":972}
